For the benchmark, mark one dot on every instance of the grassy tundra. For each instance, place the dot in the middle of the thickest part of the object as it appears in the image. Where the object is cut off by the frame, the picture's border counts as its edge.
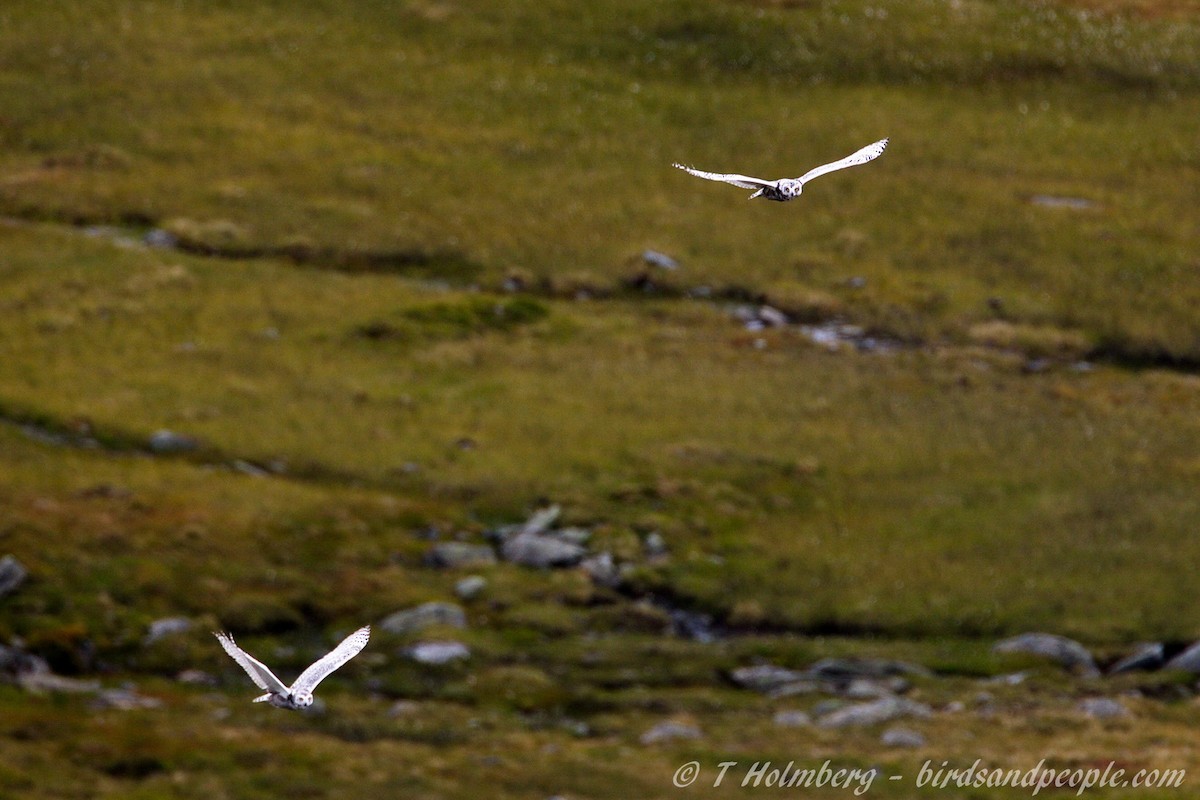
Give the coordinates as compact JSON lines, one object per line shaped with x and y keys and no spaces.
{"x":404,"y":300}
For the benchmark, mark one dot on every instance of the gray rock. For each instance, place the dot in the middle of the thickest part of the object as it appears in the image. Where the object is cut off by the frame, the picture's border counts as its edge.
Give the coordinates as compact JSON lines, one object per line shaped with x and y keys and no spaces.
{"x":43,"y":682}
{"x":847,"y":669}
{"x":12,"y":574}
{"x":15,"y":662}
{"x":125,"y":699}
{"x":868,"y":688}
{"x":803,"y":686}
{"x":168,"y":626}
{"x":470,"y":587}
{"x":792,"y":719}
{"x":459,"y":555}
{"x":884,"y":709}
{"x":1187,"y":661}
{"x":655,"y":545}
{"x":542,"y":551}
{"x":165,"y":442}
{"x":541,"y":520}
{"x":578,"y":536}
{"x":602,"y":569}
{"x":660,"y":260}
{"x":666,"y":731}
{"x":1102,"y":708}
{"x":764,"y":677}
{"x":772,"y":317}
{"x":157,"y":237}
{"x":403,"y":708}
{"x":1066,"y":652}
{"x":1147,"y":656}
{"x":424,"y":616}
{"x":196,"y":677}
{"x":902,"y":737}
{"x":437,"y":653}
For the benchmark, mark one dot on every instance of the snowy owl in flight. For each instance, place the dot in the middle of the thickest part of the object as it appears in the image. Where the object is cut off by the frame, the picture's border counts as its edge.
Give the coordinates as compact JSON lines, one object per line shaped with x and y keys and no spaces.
{"x":299,"y":694}
{"x":789,"y":188}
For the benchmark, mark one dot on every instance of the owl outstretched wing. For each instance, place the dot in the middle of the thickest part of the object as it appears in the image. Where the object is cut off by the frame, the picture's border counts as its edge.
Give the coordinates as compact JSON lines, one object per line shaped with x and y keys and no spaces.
{"x":351,"y":646}
{"x":263,"y":678}
{"x":868,"y":153}
{"x":742,"y":181}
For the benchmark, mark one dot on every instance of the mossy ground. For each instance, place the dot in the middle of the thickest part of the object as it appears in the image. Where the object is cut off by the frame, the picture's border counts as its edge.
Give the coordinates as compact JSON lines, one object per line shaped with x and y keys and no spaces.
{"x":405,"y":305}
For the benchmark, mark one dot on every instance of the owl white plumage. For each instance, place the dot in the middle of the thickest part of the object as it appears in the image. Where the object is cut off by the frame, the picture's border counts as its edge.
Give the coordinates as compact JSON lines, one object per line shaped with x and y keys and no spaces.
{"x":785,"y":189}
{"x":299,"y":694}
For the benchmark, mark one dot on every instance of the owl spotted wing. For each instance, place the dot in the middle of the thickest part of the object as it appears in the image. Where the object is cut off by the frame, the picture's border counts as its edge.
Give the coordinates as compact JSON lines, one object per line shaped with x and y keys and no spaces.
{"x":263,"y":678}
{"x":868,"y":153}
{"x":742,"y":181}
{"x":351,"y":646}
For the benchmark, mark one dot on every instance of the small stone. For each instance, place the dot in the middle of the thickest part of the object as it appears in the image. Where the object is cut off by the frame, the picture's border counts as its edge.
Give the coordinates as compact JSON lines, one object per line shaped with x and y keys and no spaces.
{"x":655,"y":545}
{"x":470,"y":587}
{"x":125,"y":699}
{"x":902,"y":737}
{"x":1147,"y":656}
{"x":157,"y":237}
{"x":666,"y":731}
{"x":541,"y":550}
{"x":437,"y":653}
{"x":1102,"y":708}
{"x":12,"y":574}
{"x":165,"y":442}
{"x":43,"y":682}
{"x":764,"y":677}
{"x":1063,"y":651}
{"x":403,"y":708}
{"x":196,"y":677}
{"x":1187,"y":661}
{"x":459,"y":555}
{"x":541,"y":520}
{"x":16,"y":662}
{"x":602,"y":569}
{"x":772,"y":317}
{"x":660,"y":260}
{"x":168,"y":626}
{"x":792,"y":719}
{"x":424,"y":616}
{"x":883,"y":710}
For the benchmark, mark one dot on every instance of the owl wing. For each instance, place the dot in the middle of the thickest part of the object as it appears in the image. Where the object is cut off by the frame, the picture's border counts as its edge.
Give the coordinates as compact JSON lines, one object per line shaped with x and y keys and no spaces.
{"x":263,"y":678}
{"x":743,"y":181}
{"x":868,"y":153}
{"x":351,"y":646}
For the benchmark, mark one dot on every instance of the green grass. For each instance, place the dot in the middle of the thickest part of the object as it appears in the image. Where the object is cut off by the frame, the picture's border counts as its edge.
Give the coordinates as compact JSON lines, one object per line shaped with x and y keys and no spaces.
{"x":357,"y":189}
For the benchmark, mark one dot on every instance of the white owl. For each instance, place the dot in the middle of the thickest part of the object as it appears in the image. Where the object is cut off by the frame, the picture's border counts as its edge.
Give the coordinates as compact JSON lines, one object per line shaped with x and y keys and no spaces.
{"x":299,"y":694}
{"x":785,"y":189}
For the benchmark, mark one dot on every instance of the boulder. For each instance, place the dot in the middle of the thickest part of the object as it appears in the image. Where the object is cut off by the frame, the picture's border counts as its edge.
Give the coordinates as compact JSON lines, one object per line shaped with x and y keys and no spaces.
{"x":437,"y":653}
{"x":424,"y":616}
{"x":1063,"y":651}
{"x":542,"y":551}
{"x":165,"y":442}
{"x":1187,"y":661}
{"x":12,"y":575}
{"x":902,"y":737}
{"x":470,"y":587}
{"x":168,"y":626}
{"x":884,"y":709}
{"x":666,"y":731}
{"x":1102,"y":708}
{"x":1146,"y":656}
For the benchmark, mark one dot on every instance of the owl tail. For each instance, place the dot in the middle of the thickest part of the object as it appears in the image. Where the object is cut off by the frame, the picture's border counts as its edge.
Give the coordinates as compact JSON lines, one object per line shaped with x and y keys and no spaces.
{"x":262,"y":699}
{"x":756,"y":194}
